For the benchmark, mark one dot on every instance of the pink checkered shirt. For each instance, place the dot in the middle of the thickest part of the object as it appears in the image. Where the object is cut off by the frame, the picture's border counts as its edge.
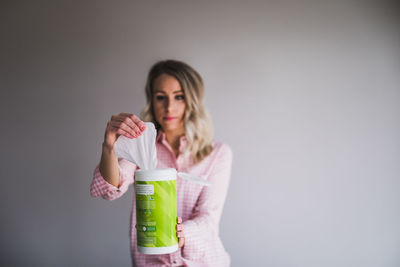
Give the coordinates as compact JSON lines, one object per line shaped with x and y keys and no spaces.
{"x":199,"y":206}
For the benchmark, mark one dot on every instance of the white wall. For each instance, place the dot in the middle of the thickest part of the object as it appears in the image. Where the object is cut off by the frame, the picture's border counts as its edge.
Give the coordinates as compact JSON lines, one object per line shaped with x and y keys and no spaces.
{"x":307,"y":95}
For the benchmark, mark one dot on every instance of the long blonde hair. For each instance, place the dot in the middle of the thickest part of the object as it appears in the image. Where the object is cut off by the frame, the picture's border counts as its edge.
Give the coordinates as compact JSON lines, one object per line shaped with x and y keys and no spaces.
{"x":197,"y":121}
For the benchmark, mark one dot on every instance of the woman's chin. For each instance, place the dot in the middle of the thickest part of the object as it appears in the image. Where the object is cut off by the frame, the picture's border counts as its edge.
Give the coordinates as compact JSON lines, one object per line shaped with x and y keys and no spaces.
{"x":171,"y":127}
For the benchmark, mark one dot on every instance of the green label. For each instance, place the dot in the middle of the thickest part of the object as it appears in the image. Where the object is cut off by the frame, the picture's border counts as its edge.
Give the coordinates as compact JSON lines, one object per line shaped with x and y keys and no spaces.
{"x":156,"y":213}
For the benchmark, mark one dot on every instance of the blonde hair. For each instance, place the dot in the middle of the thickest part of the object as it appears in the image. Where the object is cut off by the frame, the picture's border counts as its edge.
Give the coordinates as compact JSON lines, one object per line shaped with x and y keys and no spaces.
{"x":197,"y":121}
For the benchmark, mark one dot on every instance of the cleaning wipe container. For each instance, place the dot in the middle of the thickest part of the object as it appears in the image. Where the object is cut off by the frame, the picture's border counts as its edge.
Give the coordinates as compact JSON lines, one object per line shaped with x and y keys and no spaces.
{"x":156,"y":212}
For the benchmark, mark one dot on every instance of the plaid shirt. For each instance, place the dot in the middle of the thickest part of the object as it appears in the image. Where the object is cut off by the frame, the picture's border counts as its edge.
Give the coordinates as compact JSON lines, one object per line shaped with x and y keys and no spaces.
{"x":200,"y":207}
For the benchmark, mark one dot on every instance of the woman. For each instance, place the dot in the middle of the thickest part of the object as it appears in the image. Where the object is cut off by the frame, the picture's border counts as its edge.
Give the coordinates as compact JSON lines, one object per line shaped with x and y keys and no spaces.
{"x":174,"y":92}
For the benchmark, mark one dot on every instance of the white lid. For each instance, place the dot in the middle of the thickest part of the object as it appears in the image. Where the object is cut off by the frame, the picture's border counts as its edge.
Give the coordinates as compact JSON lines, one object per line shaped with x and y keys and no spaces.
{"x":156,"y":175}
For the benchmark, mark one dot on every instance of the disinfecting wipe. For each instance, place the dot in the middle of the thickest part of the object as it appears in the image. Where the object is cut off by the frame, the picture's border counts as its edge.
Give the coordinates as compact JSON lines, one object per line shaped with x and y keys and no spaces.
{"x":141,"y":151}
{"x":156,"y":212}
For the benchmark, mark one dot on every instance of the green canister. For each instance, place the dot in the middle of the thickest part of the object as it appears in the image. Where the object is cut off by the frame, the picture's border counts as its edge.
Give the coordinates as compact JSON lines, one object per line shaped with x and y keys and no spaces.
{"x":156,"y":211}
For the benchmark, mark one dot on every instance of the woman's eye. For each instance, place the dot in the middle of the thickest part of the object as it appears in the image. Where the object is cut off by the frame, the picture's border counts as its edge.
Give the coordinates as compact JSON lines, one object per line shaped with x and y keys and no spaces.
{"x":159,"y":97}
{"x":180,"y":97}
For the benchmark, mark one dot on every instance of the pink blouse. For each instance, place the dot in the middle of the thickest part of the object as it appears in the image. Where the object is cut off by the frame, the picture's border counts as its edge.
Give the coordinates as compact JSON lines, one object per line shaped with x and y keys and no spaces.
{"x":199,"y":206}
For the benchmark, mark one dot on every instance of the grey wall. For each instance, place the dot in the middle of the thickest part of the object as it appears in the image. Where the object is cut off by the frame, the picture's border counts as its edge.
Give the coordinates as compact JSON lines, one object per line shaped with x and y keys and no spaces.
{"x":306,"y":93}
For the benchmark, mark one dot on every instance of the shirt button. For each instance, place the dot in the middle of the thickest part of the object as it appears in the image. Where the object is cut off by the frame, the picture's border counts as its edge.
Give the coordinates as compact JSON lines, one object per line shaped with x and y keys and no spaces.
{"x":174,"y":262}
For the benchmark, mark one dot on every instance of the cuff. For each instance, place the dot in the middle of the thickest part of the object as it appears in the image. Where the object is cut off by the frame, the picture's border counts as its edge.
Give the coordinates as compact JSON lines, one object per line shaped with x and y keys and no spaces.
{"x":100,"y":187}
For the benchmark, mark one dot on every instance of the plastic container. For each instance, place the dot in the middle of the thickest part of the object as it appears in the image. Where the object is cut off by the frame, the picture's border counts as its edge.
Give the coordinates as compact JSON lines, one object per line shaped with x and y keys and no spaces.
{"x":156,"y":211}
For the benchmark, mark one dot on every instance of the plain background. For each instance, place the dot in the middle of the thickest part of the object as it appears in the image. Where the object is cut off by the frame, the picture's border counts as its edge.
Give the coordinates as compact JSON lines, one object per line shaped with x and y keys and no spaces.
{"x":305,"y":92}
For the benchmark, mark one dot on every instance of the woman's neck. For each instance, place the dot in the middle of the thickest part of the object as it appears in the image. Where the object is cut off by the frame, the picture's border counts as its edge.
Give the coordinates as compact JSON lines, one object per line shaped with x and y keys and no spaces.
{"x":173,"y":139}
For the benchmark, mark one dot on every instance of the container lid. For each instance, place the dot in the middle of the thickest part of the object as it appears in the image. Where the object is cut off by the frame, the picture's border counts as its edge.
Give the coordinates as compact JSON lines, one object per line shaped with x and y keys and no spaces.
{"x":156,"y":175}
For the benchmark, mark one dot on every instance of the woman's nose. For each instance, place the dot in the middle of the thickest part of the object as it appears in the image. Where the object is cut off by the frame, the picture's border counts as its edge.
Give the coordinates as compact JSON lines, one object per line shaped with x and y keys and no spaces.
{"x":167,"y":105}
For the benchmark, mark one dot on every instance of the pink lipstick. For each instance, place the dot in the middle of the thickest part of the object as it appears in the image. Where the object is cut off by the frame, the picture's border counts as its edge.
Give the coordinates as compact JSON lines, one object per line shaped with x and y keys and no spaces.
{"x":169,"y":118}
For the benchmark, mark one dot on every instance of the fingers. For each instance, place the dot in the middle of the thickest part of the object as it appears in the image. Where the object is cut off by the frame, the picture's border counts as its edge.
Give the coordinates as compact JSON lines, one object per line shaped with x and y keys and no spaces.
{"x":127,"y":124}
{"x":138,"y":122}
{"x":181,"y":242}
{"x":125,"y":133}
{"x":118,"y":130}
{"x":135,"y":119}
{"x":127,"y":120}
{"x":179,"y":232}
{"x":179,"y":227}
{"x":124,"y":129}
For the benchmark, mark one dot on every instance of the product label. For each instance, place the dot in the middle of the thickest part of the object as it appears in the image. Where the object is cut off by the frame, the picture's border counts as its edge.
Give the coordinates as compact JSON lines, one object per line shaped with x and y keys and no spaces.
{"x":144,"y":189}
{"x":156,"y":213}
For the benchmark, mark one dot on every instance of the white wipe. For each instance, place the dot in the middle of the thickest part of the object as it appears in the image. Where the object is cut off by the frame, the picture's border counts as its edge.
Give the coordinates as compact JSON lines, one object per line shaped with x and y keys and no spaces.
{"x":141,"y":151}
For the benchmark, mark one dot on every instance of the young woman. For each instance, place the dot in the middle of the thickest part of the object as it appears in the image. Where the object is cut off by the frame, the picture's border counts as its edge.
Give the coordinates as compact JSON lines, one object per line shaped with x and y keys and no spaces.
{"x":174,"y":92}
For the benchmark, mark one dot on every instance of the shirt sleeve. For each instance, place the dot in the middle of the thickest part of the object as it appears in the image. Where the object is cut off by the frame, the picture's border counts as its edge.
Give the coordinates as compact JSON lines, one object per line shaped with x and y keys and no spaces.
{"x":203,"y":246}
{"x":100,"y":187}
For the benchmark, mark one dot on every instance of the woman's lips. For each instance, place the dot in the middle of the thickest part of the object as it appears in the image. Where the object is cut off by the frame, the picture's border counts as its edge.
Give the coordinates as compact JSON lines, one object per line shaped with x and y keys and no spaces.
{"x":169,"y":118}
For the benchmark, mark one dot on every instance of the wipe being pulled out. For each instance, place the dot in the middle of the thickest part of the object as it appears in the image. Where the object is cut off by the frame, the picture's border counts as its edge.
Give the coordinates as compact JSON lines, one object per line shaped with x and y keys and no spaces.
{"x":142,"y":152}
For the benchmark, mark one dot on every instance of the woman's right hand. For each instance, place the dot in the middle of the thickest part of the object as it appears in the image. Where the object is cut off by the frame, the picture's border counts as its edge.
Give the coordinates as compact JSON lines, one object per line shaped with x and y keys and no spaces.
{"x":125,"y":124}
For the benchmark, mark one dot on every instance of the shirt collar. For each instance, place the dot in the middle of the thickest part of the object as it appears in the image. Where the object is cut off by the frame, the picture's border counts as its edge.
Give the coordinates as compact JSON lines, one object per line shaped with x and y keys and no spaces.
{"x":161,"y":138}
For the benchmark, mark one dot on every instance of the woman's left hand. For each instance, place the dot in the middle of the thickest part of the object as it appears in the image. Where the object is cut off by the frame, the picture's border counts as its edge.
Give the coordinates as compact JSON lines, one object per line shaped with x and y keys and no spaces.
{"x":179,"y":232}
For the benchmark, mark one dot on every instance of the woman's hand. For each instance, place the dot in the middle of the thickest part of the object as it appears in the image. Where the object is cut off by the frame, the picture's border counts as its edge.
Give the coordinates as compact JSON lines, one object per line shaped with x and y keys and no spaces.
{"x":179,"y":232}
{"x":125,"y":124}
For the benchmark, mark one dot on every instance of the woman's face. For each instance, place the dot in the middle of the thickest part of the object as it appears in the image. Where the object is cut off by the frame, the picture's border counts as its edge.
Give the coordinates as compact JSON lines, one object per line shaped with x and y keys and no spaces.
{"x":169,"y":104}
